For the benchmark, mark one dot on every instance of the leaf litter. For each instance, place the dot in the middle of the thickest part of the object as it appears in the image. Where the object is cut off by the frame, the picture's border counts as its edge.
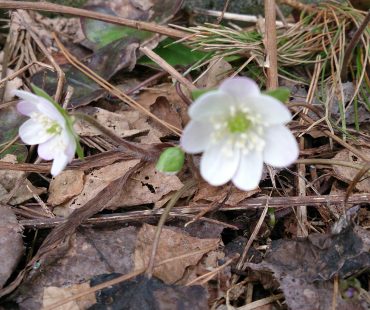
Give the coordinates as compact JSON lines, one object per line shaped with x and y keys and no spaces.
{"x":213,"y":252}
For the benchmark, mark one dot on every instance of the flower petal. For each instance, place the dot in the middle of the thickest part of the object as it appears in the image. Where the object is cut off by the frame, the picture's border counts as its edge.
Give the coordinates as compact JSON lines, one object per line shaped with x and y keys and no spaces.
{"x":196,"y":137}
{"x":249,"y":172}
{"x":214,"y":103}
{"x":281,"y":148}
{"x":271,"y":110}
{"x":63,"y":143}
{"x":41,"y":104}
{"x":32,"y":132}
{"x":59,"y":163}
{"x":217,"y":167}
{"x":26,"y":108}
{"x":240,"y":88}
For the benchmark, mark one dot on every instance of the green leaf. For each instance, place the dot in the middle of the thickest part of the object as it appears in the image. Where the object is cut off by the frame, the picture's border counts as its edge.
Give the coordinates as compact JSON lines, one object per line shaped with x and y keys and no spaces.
{"x":171,"y":160}
{"x":176,"y":54}
{"x":195,"y":94}
{"x":103,"y":33}
{"x":280,"y":93}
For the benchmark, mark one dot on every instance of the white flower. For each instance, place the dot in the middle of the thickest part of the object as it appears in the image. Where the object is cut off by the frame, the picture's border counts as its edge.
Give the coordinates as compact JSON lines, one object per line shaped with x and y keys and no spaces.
{"x":48,"y":128}
{"x":238,"y":128}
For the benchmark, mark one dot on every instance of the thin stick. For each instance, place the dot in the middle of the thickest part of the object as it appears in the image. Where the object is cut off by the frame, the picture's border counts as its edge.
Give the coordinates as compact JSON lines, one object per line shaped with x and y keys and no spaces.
{"x":271,"y":46}
{"x":236,"y":16}
{"x":219,"y":19}
{"x":351,"y":46}
{"x":51,"y":7}
{"x":167,"y":67}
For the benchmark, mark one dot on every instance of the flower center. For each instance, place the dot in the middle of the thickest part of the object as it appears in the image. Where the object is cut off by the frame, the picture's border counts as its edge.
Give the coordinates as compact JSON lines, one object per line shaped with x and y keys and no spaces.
{"x":242,"y":129}
{"x":51,"y":126}
{"x":238,"y":123}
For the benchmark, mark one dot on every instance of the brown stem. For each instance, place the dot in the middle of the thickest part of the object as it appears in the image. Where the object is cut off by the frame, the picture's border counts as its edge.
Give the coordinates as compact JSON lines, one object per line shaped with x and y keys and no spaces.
{"x":51,"y":7}
{"x":271,"y":46}
{"x":351,"y":46}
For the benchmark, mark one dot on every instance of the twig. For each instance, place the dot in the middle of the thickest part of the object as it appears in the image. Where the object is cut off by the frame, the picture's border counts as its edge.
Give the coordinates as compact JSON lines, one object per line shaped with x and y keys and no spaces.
{"x":51,"y":7}
{"x":167,"y":67}
{"x":188,"y":211}
{"x":236,"y":16}
{"x":351,"y":46}
{"x":271,"y":45}
{"x":219,"y":19}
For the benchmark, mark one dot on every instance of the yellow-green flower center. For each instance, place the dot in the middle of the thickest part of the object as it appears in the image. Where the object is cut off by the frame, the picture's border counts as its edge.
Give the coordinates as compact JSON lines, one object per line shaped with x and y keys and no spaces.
{"x":238,"y":123}
{"x":54,"y":128}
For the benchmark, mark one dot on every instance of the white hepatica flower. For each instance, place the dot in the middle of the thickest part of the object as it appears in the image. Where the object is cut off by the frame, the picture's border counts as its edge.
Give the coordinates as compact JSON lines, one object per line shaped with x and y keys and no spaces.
{"x":48,"y":128}
{"x":238,"y":128}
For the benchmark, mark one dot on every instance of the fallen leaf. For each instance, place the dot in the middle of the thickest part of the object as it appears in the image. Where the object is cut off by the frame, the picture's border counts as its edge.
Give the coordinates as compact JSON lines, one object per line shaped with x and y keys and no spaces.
{"x":118,"y":123}
{"x":172,"y":243}
{"x":347,"y":174}
{"x":165,"y":111}
{"x":11,"y":243}
{"x":149,"y":294}
{"x":9,"y":179}
{"x":88,"y":253}
{"x":65,"y":186}
{"x":54,"y":294}
{"x":218,"y":70}
{"x":95,"y":182}
{"x":211,"y":193}
{"x":146,"y":186}
{"x":304,"y":268}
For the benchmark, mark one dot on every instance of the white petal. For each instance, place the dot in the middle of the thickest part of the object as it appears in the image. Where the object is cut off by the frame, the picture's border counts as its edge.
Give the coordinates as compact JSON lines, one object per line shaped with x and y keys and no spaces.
{"x":272,"y":111}
{"x":59,"y":163}
{"x":249,"y":172}
{"x":26,"y":108}
{"x":41,"y":104}
{"x":214,"y":103}
{"x":63,"y":143}
{"x":32,"y":132}
{"x":71,"y":147}
{"x":216,"y":167}
{"x":196,"y":137}
{"x":281,"y":148}
{"x":240,"y":88}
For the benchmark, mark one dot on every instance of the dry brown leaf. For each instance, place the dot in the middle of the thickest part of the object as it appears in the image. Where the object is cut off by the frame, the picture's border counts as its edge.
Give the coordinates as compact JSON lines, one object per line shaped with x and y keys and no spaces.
{"x":89,"y":253}
{"x":218,"y":70}
{"x":9,"y":178}
{"x":212,"y":193}
{"x":65,"y":186}
{"x":147,"y":186}
{"x":96,"y":181}
{"x":167,"y":90}
{"x":171,"y":244}
{"x":11,"y":244}
{"x":118,"y":123}
{"x":165,"y":111}
{"x":347,"y":174}
{"x":54,"y":294}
